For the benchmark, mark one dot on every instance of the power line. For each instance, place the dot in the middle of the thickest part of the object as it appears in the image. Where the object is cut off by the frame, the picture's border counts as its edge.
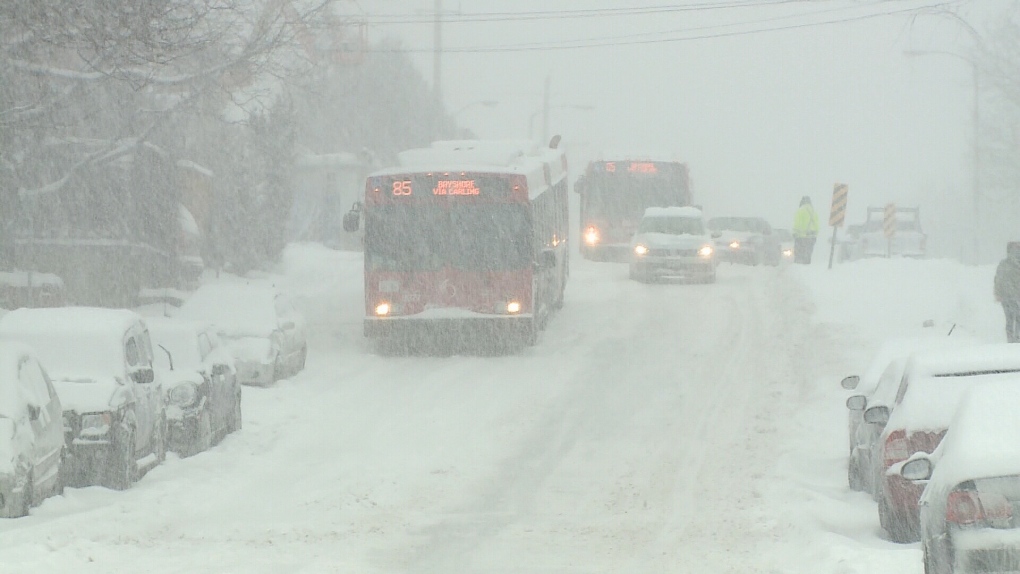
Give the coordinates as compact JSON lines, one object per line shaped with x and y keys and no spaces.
{"x":391,"y":19}
{"x":565,"y":44}
{"x":630,"y":40}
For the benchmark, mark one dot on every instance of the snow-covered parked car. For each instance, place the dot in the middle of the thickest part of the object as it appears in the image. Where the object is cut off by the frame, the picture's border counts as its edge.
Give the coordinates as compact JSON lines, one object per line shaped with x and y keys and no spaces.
{"x":970,"y":508}
{"x":264,"y":332}
{"x":746,"y":240}
{"x":31,"y":432}
{"x":672,"y":242}
{"x":199,"y":384}
{"x":928,"y":395}
{"x":100,"y":361}
{"x":877,"y":387}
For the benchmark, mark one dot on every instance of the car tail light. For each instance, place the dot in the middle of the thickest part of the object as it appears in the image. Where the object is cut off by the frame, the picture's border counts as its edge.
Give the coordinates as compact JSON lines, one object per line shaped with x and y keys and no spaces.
{"x":896,"y":448}
{"x":966,"y":507}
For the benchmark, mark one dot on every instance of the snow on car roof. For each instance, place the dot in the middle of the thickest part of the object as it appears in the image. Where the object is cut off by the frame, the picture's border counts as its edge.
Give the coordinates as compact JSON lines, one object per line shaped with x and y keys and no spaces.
{"x":673,"y":212}
{"x":902,"y":348}
{"x":73,"y":342}
{"x":984,"y":435}
{"x":930,"y":402}
{"x":238,"y":309}
{"x":966,"y":359}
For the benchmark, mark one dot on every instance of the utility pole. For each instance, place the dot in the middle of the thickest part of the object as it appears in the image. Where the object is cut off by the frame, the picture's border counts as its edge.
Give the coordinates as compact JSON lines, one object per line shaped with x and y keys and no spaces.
{"x":437,"y":54}
{"x":545,"y":110}
{"x":977,"y":163}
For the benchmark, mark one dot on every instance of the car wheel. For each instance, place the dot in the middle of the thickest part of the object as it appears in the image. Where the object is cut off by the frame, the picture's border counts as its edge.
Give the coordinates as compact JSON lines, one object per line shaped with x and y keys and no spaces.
{"x":638,"y":274}
{"x":159,"y":441}
{"x":234,"y":423}
{"x":853,"y":475}
{"x":203,"y":434}
{"x":61,"y":473}
{"x":123,"y":470}
{"x":27,"y":494}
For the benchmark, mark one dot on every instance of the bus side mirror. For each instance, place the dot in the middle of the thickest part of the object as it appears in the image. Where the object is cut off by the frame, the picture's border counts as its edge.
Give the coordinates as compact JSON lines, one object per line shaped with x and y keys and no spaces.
{"x":352,"y":220}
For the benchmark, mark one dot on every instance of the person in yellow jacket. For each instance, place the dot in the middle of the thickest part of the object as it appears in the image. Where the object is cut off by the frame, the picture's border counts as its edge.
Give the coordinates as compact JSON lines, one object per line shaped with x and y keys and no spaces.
{"x":805,"y":231}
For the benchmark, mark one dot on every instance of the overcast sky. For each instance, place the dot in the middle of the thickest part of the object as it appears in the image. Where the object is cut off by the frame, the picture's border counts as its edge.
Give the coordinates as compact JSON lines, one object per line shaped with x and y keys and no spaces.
{"x":762,"y":118}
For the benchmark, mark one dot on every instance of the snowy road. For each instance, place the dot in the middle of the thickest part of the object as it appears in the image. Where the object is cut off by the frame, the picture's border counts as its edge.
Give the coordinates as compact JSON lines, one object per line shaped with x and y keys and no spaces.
{"x":651,"y":430}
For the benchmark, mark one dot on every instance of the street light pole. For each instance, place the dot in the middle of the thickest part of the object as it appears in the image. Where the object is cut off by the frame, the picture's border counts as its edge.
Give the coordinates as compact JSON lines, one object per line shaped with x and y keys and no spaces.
{"x":975,"y":140}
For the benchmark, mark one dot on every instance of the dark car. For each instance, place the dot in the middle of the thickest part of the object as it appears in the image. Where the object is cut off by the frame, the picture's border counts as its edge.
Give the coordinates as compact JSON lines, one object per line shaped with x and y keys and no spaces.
{"x":745,"y":240}
{"x":199,"y":383}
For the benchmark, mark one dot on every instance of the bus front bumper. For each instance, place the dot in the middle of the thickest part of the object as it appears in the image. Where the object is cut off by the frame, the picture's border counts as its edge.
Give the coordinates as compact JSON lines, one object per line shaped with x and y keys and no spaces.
{"x":437,"y":328}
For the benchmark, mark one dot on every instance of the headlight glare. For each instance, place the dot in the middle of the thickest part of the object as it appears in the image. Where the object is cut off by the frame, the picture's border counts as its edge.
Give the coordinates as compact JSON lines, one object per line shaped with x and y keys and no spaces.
{"x":513,"y":307}
{"x":705,"y":251}
{"x":184,"y":395}
{"x":591,"y":235}
{"x":734,"y":244}
{"x":788,"y":253}
{"x":640,"y":249}
{"x":382,"y":309}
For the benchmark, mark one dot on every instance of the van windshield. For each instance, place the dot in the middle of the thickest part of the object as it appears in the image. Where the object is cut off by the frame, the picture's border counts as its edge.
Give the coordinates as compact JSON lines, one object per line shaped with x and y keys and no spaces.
{"x":672,"y":225}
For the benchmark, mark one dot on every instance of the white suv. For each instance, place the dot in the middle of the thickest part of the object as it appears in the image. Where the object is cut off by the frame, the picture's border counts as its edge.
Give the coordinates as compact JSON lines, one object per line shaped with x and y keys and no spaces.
{"x":672,"y":242}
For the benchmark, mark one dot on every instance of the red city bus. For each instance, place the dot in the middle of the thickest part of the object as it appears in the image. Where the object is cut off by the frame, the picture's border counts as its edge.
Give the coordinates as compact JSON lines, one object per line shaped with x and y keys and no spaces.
{"x":466,"y":239}
{"x":614,"y":196}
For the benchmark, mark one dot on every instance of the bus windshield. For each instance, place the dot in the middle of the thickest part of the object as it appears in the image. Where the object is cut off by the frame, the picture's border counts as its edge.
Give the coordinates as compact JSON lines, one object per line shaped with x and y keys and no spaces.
{"x":615,"y":197}
{"x":469,"y":237}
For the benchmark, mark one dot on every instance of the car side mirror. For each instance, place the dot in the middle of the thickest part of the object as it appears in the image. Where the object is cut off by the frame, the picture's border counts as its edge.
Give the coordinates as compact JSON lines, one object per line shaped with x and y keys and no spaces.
{"x":857,"y":402}
{"x":917,"y":469}
{"x":33,"y":412}
{"x":878,"y":415}
{"x":850,"y":383}
{"x":352,"y":220}
{"x":143,"y":376}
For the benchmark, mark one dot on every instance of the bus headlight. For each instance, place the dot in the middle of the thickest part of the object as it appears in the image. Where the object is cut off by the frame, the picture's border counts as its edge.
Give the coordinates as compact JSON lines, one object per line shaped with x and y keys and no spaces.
{"x":382,"y":309}
{"x":734,"y":244}
{"x":591,"y":235}
{"x":640,"y":249}
{"x":513,"y":307}
{"x":706,"y":251}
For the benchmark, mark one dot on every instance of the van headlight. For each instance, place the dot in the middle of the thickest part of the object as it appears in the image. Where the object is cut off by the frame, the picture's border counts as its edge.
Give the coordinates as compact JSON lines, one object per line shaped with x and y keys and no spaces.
{"x":640,"y":249}
{"x":184,"y":395}
{"x":591,"y":235}
{"x":706,"y":251}
{"x":734,"y":244}
{"x":96,"y":424}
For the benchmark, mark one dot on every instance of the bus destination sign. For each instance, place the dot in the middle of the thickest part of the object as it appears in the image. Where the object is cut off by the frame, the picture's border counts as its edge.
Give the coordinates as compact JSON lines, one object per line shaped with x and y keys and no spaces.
{"x":631,"y":166}
{"x":456,"y":187}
